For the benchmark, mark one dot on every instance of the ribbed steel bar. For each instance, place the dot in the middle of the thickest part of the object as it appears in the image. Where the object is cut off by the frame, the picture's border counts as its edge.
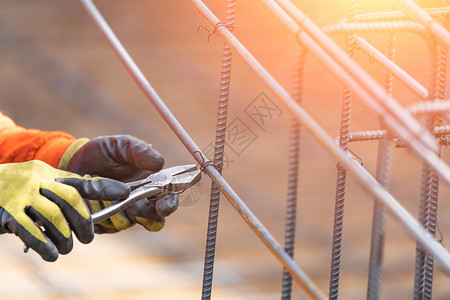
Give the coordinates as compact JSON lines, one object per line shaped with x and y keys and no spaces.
{"x":372,"y":135}
{"x":440,"y":130}
{"x":293,"y":172}
{"x":399,"y":15}
{"x":361,"y":175}
{"x":341,"y":181}
{"x":378,"y":223}
{"x":362,"y":84}
{"x":429,"y":197}
{"x":263,"y":234}
{"x":429,"y":189}
{"x":382,"y":175}
{"x":417,"y":13}
{"x":393,"y":68}
{"x":430,"y":107}
{"x":374,"y":27}
{"x":443,"y":50}
{"x":219,"y":148}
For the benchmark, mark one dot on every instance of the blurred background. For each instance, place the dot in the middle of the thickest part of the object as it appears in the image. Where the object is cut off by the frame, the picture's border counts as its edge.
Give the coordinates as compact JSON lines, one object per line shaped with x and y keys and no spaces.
{"x":58,"y":73}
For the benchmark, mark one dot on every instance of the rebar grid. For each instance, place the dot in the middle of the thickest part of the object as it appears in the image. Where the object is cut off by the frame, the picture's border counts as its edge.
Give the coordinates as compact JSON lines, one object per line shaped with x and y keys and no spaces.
{"x":207,"y":166}
{"x":362,"y":84}
{"x":398,"y":121}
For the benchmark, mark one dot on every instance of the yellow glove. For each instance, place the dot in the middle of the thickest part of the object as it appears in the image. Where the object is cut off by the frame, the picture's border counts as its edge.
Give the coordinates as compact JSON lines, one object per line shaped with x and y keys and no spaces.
{"x":33,"y":194}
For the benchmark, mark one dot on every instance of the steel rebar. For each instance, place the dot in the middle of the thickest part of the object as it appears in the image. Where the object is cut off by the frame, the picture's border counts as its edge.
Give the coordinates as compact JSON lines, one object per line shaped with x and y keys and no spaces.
{"x":378,"y":224}
{"x":429,"y":189}
{"x":382,"y":175}
{"x":399,"y":15}
{"x":374,"y":27}
{"x":341,"y":182}
{"x":372,"y":135}
{"x":293,"y":172}
{"x":417,"y":13}
{"x":424,"y":267}
{"x":393,"y":68}
{"x":219,"y":149}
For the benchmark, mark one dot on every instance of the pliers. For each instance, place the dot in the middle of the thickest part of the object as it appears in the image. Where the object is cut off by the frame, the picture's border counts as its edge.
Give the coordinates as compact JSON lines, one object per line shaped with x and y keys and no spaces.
{"x":172,"y":180}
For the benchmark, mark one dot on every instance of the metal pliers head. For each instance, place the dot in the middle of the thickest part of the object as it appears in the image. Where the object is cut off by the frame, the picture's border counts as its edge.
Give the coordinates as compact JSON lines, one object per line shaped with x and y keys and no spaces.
{"x":173,"y":180}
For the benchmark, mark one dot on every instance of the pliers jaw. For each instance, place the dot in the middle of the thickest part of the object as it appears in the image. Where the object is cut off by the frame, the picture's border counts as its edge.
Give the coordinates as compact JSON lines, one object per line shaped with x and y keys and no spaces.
{"x":172,"y":180}
{"x":184,"y":178}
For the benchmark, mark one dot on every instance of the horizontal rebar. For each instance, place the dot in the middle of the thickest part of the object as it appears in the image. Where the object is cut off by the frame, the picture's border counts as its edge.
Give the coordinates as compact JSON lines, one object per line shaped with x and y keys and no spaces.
{"x":297,"y":273}
{"x":388,"y":64}
{"x":372,"y":135}
{"x":399,"y":15}
{"x":374,"y":27}
{"x":417,"y":13}
{"x":430,"y":107}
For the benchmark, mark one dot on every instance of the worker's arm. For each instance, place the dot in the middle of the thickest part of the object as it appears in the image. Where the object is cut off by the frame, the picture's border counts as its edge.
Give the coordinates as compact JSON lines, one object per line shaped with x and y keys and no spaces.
{"x":39,"y":203}
{"x":18,"y":144}
{"x":122,"y":158}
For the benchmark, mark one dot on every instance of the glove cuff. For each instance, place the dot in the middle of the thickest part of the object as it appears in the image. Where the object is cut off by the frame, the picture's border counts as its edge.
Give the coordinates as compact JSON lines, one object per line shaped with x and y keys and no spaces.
{"x":69,"y":153}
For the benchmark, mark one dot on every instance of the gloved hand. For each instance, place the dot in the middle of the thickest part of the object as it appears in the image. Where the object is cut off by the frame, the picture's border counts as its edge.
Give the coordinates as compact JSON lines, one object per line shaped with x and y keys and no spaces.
{"x":33,"y":193}
{"x":123,"y":158}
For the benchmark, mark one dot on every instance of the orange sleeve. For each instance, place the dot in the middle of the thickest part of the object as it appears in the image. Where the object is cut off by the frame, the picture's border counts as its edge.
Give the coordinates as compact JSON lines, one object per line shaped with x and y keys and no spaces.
{"x":18,"y":144}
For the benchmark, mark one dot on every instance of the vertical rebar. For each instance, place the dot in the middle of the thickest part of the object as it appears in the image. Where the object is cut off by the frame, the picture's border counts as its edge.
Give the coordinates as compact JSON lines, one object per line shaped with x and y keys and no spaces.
{"x":443,"y":56}
{"x":338,"y":223}
{"x":294,"y":157}
{"x":382,"y":176}
{"x":423,"y":279}
{"x":219,"y":146}
{"x":424,"y":266}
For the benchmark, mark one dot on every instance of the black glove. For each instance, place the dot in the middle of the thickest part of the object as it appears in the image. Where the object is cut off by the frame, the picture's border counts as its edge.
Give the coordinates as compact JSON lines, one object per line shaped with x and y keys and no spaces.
{"x":123,"y":158}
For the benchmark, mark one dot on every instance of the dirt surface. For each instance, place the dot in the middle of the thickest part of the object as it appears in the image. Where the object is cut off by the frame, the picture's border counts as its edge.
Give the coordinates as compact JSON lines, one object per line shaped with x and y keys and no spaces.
{"x":58,"y":73}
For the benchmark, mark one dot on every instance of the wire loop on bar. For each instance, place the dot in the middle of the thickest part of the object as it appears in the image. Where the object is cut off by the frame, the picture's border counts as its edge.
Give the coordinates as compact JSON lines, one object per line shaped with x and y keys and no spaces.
{"x":204,"y":162}
{"x":214,"y":30}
